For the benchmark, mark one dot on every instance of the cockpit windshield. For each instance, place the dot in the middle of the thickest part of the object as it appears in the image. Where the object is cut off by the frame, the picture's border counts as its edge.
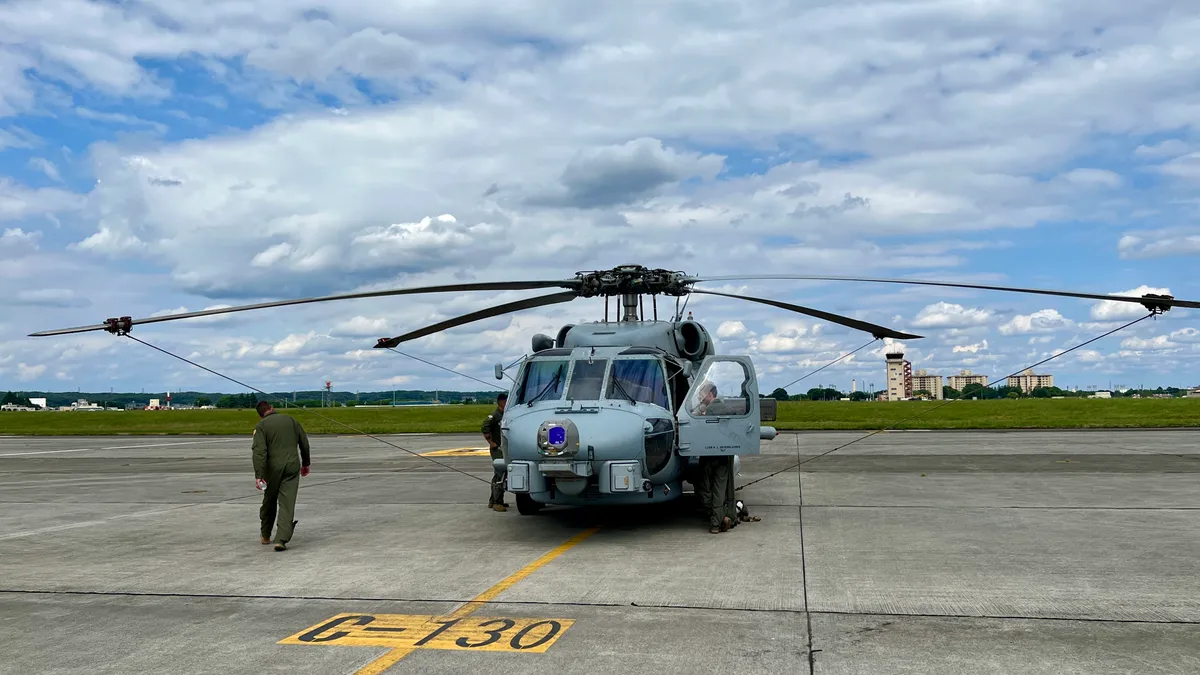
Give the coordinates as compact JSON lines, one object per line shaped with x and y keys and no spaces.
{"x":587,"y":379}
{"x":543,"y":381}
{"x":642,"y":380}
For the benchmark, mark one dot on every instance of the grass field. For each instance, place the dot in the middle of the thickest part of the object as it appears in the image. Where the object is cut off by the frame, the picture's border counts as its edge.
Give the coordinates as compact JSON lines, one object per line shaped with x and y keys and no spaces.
{"x":793,"y":415}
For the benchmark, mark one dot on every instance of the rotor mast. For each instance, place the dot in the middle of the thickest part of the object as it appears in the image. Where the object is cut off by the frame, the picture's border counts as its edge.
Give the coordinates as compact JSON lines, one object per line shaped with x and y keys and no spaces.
{"x":629,"y":303}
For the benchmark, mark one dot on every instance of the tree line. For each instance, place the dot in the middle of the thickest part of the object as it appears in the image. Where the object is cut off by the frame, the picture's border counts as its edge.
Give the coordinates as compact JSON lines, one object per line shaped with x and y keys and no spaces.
{"x":311,"y":399}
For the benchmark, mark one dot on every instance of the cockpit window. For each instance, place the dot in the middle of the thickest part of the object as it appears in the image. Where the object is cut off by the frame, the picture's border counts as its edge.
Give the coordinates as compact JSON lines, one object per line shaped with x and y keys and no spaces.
{"x":587,"y":379}
{"x":640,"y":379}
{"x":547,"y":378}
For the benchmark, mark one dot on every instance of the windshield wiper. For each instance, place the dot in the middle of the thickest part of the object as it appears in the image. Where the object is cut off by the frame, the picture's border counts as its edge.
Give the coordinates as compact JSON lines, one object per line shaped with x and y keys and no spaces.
{"x":617,"y":381}
{"x":551,"y":383}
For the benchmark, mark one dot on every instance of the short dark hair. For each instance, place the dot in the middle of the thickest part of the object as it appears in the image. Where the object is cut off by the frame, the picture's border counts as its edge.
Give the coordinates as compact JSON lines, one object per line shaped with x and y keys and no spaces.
{"x":502,"y":396}
{"x":262,"y":407}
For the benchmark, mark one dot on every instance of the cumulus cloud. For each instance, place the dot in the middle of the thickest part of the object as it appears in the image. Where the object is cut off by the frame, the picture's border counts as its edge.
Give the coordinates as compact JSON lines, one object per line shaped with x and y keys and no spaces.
{"x":15,"y":241}
{"x":19,"y":202}
{"x":1111,"y":310}
{"x":362,"y":327}
{"x":1041,"y":321}
{"x":1156,"y":343}
{"x":732,"y":329}
{"x":971,"y":348}
{"x":1150,"y":244}
{"x":1093,"y":177}
{"x":950,"y":315}
{"x":621,"y":174}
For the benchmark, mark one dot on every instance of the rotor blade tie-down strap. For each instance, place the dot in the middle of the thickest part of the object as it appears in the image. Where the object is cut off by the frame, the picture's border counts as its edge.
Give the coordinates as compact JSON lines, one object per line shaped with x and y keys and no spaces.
{"x":947,"y":402}
{"x":357,"y":431}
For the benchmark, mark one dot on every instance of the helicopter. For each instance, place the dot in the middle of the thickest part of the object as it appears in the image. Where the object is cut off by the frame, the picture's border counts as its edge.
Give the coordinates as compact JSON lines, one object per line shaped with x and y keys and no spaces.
{"x":619,"y":412}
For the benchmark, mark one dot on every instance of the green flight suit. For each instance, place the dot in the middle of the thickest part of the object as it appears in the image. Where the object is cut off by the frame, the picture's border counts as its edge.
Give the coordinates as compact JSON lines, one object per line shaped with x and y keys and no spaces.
{"x":491,"y":430}
{"x":276,"y":439}
{"x":716,"y":490}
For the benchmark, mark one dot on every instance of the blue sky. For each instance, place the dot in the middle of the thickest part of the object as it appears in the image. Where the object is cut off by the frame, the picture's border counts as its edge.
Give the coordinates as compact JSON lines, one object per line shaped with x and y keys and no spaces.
{"x":156,"y":156}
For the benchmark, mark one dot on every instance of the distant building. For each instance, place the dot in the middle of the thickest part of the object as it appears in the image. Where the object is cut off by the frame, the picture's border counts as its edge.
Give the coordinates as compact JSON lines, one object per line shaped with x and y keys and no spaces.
{"x":14,"y":406}
{"x":899,"y":377}
{"x":930,"y":383}
{"x":1028,"y":381}
{"x":1194,"y":392}
{"x":965,"y":377}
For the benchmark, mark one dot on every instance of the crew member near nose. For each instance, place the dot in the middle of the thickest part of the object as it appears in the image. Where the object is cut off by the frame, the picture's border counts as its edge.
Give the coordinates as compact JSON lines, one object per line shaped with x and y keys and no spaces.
{"x":491,"y":431}
{"x":277,"y":471}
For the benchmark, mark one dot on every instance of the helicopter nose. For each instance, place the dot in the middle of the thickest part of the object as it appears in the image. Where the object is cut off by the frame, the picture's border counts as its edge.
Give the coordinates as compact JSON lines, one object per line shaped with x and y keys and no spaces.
{"x":608,"y":451}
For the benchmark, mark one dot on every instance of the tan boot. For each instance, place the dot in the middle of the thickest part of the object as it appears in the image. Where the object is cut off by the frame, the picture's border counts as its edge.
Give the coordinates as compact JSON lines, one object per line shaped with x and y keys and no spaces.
{"x":500,"y":507}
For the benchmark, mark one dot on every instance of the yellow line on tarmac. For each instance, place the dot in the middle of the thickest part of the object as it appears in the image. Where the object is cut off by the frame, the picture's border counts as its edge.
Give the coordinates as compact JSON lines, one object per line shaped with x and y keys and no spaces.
{"x":457,"y":452}
{"x":394,"y":656}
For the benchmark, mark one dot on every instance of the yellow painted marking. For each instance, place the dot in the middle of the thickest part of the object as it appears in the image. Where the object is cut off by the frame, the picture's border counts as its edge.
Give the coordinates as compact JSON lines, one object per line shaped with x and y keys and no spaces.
{"x":458,"y":452}
{"x":405,"y":633}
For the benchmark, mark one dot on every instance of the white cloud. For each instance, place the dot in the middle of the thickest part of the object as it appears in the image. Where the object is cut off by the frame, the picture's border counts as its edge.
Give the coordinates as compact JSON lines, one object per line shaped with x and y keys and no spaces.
{"x":1186,"y":166}
{"x":1111,"y":310}
{"x":1172,"y":147}
{"x":1159,"y":243}
{"x":1089,"y":177}
{"x":731,"y":329}
{"x":971,"y":348}
{"x":47,"y":167}
{"x":16,"y":241}
{"x":292,"y":344}
{"x":1156,"y":343}
{"x":950,"y":315}
{"x":362,"y":327}
{"x":18,"y":202}
{"x":1041,"y":321}
{"x":25,"y":372}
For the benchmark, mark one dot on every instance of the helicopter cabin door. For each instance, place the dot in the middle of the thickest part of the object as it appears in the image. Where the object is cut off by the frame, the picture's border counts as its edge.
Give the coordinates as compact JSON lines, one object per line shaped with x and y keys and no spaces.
{"x":720,"y":415}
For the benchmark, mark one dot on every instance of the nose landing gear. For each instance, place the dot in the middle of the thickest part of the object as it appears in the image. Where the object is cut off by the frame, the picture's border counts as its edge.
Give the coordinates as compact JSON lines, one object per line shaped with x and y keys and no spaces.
{"x":526,"y":506}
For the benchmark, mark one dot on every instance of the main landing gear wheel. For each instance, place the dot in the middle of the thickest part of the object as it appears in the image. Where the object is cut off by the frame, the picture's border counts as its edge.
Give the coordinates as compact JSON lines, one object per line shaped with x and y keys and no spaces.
{"x":526,"y":506}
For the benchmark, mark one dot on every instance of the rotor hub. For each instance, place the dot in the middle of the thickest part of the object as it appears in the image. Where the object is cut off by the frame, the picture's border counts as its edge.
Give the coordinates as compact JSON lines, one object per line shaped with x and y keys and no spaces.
{"x":632,"y":280}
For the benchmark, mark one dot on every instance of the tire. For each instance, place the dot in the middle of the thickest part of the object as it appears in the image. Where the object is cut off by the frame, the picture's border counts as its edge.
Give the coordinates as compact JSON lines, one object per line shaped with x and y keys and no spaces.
{"x":526,"y":506}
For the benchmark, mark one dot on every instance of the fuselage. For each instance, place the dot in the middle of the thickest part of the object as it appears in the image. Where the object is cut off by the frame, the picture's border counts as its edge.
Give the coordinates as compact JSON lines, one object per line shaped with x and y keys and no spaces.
{"x":591,"y":419}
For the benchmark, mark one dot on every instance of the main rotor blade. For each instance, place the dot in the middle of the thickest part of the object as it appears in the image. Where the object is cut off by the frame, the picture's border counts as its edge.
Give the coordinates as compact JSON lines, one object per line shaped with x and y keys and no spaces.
{"x":877,"y":331}
{"x":527,"y":303}
{"x":479,"y":286}
{"x":1158,"y":300}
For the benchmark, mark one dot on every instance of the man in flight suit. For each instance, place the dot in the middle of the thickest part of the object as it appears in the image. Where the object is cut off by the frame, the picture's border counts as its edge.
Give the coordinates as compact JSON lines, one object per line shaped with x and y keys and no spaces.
{"x":491,"y":431}
{"x":277,"y":471}
{"x":716,"y":473}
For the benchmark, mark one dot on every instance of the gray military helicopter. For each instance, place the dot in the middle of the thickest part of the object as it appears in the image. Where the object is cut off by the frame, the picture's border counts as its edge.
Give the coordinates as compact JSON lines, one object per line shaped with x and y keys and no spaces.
{"x":619,"y":412}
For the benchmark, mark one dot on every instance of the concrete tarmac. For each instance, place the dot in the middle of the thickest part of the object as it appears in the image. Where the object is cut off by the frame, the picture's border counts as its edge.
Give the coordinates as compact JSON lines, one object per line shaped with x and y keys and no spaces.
{"x":907,"y":552}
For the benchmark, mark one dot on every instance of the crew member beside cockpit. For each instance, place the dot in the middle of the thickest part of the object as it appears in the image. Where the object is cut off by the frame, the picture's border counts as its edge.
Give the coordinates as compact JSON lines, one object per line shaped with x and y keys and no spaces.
{"x":491,"y":432}
{"x":716,"y":473}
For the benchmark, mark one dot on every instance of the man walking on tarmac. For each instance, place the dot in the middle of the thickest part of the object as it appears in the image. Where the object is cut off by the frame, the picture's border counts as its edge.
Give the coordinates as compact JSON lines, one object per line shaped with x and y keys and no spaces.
{"x":491,"y":431}
{"x":277,"y":471}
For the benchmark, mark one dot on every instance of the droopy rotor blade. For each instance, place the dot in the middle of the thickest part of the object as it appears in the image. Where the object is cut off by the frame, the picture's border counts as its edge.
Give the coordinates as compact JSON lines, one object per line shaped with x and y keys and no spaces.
{"x":1146,"y":300}
{"x":479,"y":286}
{"x":873,"y":329}
{"x":527,"y":303}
